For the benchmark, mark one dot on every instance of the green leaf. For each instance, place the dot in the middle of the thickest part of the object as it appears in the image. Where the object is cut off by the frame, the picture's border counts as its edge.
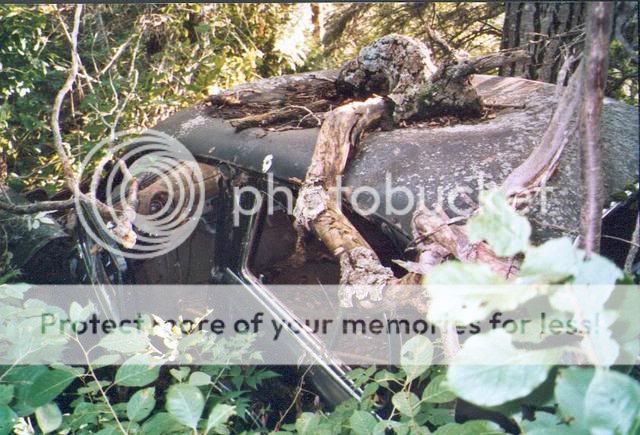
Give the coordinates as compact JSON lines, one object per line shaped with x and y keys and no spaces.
{"x":439,"y":416}
{"x":416,"y":356}
{"x":387,"y":426}
{"x":141,"y":404}
{"x":370,"y":389}
{"x":138,"y":371}
{"x":625,"y":300}
{"x":597,"y":270}
{"x":198,"y":379}
{"x":463,"y":293}
{"x":456,"y":273}
{"x":6,"y":394}
{"x":49,"y":417}
{"x":218,"y":416}
{"x":438,"y":391}
{"x":307,"y":423}
{"x":79,"y":314}
{"x":553,"y":261}
{"x":570,"y":391}
{"x":47,"y":386}
{"x":588,"y":301}
{"x":500,"y":225}
{"x":542,"y":424}
{"x":185,"y":403}
{"x":180,"y":373}
{"x":16,"y":291}
{"x":474,"y":427}
{"x":490,"y":371}
{"x":612,"y":403}
{"x":93,"y":387}
{"x":406,"y":403}
{"x":202,"y":28}
{"x":110,"y":429}
{"x":125,"y":340}
{"x":362,"y":422}
{"x":7,"y":419}
{"x":162,"y":423}
{"x":22,"y":377}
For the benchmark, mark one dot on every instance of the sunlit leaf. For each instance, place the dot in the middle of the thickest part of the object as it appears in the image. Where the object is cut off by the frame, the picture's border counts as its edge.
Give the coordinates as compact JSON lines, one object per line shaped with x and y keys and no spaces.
{"x":416,"y":356}
{"x":438,"y":391}
{"x":406,"y":403}
{"x":490,"y":371}
{"x":138,"y":371}
{"x":185,"y":403}
{"x":612,"y":403}
{"x":500,"y":225}
{"x":218,"y":416}
{"x":141,"y":404}
{"x":49,"y":417}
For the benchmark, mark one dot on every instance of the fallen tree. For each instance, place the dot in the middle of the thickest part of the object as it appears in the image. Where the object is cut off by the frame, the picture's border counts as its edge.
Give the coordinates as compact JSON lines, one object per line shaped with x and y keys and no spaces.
{"x":392,"y":82}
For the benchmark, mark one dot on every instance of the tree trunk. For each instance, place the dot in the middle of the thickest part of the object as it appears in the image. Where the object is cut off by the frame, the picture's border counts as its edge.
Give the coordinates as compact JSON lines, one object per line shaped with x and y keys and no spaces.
{"x":545,"y":28}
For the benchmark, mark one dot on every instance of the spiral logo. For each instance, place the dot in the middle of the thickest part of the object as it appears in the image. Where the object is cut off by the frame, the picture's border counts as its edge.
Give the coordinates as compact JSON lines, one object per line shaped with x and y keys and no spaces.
{"x":153,"y":170}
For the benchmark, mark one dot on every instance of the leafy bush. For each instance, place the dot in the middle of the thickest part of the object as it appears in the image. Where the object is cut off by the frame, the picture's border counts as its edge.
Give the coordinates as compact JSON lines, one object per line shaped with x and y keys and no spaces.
{"x":138,"y":396}
{"x":537,"y":396}
{"x":141,"y":396}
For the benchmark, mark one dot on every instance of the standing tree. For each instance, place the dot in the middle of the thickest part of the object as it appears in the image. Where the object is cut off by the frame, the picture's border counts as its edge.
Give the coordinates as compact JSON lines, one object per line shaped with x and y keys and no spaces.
{"x":546,"y":28}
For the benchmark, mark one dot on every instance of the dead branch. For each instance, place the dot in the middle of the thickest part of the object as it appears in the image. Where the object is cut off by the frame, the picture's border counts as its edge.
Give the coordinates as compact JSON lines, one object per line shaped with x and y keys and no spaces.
{"x":337,"y":140}
{"x":537,"y":168}
{"x":418,"y":90}
{"x":283,"y":115}
{"x":123,"y":224}
{"x":284,"y":92}
{"x":488,"y":62}
{"x":437,"y":227}
{"x":67,"y":169}
{"x":634,"y":248}
{"x":596,"y":63}
{"x":37,"y":207}
{"x":70,"y":176}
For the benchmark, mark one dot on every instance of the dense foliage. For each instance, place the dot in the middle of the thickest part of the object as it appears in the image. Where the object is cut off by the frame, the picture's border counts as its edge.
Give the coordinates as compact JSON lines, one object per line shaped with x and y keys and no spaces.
{"x":142,"y":62}
{"x":538,"y":397}
{"x":139,"y":64}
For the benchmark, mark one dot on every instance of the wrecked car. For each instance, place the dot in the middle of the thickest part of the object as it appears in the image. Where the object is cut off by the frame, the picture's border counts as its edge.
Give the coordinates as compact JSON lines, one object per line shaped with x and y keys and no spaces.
{"x":246,"y":234}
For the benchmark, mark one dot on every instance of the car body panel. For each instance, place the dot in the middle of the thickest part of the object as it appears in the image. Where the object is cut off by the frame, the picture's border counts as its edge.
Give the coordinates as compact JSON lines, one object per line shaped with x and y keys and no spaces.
{"x":434,"y":159}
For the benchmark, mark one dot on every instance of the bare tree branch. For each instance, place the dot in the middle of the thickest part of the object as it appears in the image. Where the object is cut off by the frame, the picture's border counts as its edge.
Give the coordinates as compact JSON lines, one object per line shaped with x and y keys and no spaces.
{"x":595,"y":66}
{"x":635,"y":246}
{"x":537,"y":168}
{"x":67,"y":169}
{"x":36,"y":207}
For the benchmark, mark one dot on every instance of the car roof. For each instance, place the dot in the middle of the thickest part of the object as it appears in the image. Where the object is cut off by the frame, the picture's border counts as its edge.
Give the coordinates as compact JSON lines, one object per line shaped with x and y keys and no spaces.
{"x":434,"y":159}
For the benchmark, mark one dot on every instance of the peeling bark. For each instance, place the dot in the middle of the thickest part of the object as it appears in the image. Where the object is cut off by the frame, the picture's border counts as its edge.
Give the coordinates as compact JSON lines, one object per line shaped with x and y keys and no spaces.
{"x":338,"y":139}
{"x":452,"y":238}
{"x":401,"y":68}
{"x":285,"y":91}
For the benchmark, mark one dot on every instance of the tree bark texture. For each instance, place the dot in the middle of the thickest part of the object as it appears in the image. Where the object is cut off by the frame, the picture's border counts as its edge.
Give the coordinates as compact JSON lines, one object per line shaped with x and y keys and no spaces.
{"x":595,"y":72}
{"x":544,"y":28}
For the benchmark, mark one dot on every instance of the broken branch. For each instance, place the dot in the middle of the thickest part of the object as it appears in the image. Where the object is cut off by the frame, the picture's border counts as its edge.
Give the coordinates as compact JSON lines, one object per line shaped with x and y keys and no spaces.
{"x":281,"y":115}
